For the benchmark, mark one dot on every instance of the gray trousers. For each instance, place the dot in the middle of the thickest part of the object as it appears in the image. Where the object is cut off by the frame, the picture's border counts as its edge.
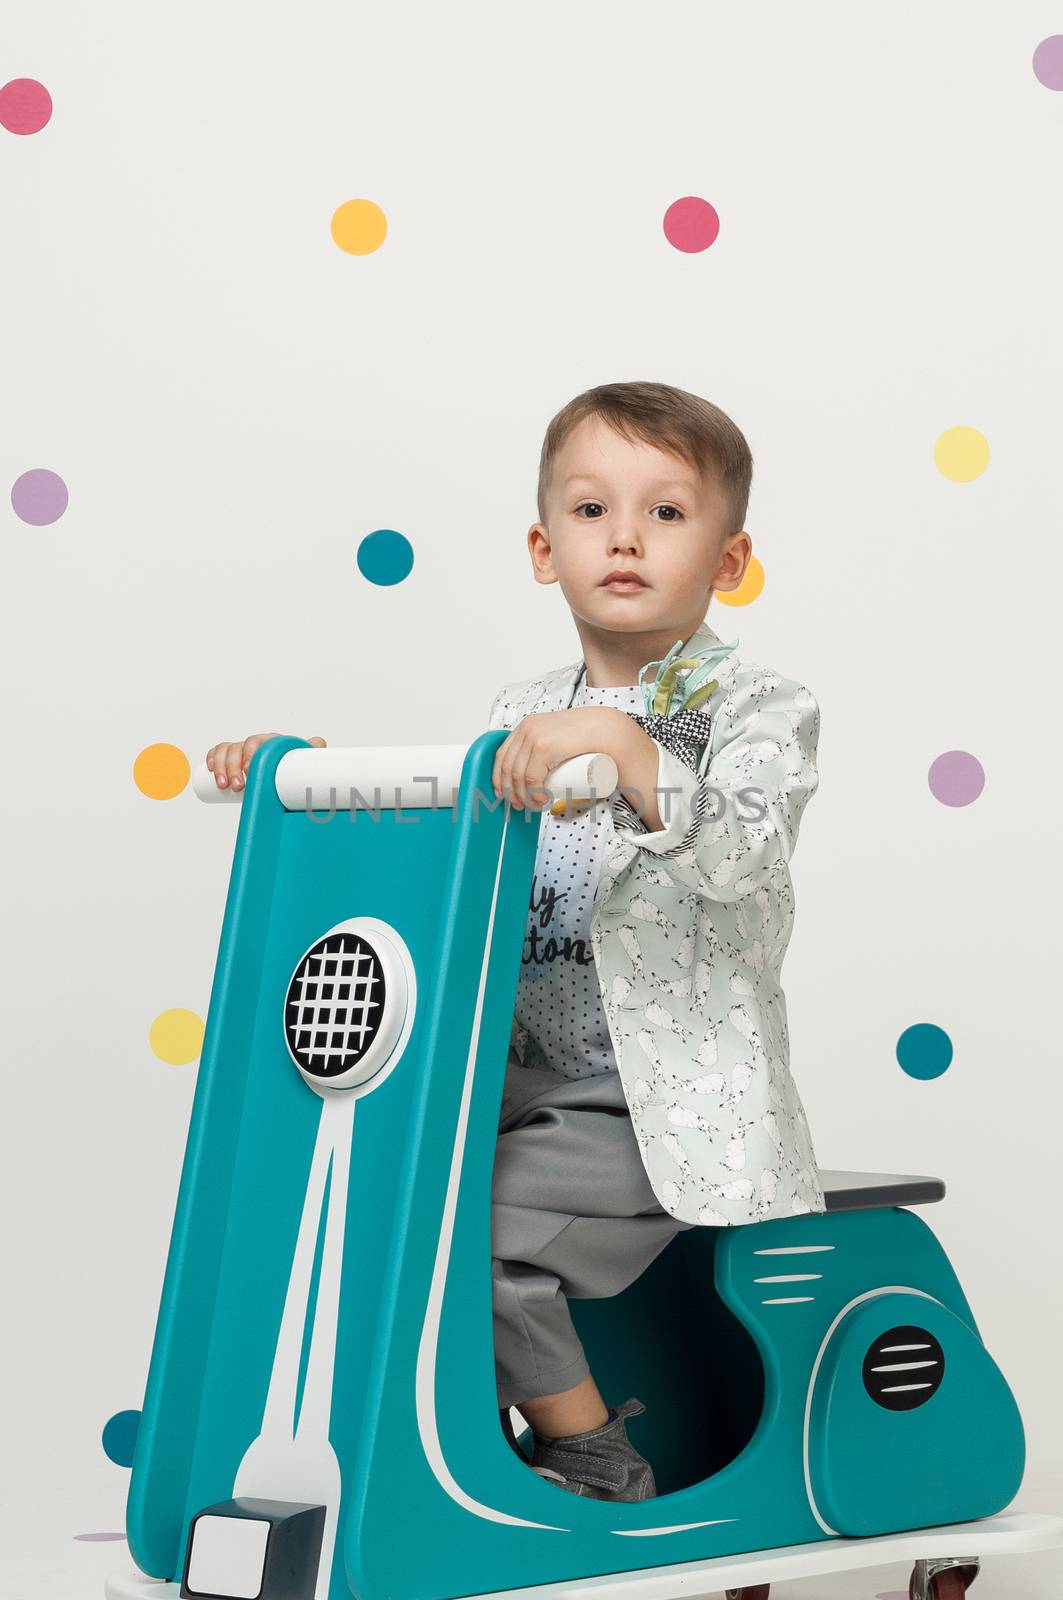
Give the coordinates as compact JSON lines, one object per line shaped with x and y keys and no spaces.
{"x":572,"y":1214}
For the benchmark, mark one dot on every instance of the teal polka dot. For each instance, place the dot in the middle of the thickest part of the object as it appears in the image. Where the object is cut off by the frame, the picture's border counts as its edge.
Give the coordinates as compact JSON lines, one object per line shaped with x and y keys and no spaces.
{"x":385,"y":557}
{"x":924,"y":1050}
{"x":120,"y":1437}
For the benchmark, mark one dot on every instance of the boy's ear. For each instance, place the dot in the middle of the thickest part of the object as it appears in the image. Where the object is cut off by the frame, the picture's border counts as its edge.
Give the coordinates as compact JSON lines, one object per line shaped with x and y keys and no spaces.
{"x":541,"y":556}
{"x":744,"y":544}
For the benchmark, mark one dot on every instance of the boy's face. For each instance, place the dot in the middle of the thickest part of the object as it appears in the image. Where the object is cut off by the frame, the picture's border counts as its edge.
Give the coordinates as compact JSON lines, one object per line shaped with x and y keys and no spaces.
{"x":615,"y":504}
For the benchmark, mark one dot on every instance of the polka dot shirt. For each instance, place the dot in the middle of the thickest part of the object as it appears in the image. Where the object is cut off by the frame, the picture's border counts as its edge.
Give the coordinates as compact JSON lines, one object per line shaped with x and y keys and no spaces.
{"x":558,"y":1002}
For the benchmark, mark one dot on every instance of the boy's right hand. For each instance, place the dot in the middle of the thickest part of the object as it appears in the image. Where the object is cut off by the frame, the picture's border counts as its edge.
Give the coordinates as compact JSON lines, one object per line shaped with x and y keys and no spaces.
{"x":230,"y":761}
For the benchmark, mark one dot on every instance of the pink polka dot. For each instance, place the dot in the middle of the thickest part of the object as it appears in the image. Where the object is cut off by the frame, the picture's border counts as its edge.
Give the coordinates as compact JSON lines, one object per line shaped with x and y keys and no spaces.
{"x":956,"y":778}
{"x":691,"y":224}
{"x":1048,"y":61}
{"x":25,"y":106}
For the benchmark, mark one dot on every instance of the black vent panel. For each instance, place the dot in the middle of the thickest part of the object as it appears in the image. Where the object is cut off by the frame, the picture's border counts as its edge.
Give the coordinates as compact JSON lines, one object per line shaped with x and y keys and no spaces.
{"x":903,"y":1368}
{"x":335,"y":1004}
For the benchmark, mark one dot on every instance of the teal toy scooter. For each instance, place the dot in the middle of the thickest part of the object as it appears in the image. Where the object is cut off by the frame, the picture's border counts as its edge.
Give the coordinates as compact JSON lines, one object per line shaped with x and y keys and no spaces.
{"x":320,"y":1416}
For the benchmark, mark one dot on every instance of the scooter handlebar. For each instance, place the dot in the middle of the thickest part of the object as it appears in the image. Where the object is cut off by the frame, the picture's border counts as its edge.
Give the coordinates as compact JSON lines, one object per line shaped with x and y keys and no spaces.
{"x":401,"y":776}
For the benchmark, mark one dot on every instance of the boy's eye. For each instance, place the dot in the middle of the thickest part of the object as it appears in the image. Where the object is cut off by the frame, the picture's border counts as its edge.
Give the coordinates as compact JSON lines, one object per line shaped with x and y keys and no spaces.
{"x":583,"y":506}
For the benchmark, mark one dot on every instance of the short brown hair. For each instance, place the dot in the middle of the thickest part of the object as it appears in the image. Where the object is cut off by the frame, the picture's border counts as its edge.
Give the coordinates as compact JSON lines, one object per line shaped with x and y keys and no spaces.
{"x":672,"y":419}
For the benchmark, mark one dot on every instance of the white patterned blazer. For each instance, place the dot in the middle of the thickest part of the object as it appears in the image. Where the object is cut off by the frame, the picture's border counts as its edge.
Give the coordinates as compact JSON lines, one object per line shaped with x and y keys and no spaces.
{"x":689,"y":927}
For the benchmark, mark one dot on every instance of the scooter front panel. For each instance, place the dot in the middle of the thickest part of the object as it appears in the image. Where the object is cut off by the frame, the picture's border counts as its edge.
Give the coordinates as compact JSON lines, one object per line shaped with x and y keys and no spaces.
{"x":260,"y":1138}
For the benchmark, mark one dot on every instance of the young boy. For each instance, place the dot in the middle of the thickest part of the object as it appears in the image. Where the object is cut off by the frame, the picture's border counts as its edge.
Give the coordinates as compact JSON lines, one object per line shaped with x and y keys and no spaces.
{"x":654,"y":946}
{"x":647,"y":1087}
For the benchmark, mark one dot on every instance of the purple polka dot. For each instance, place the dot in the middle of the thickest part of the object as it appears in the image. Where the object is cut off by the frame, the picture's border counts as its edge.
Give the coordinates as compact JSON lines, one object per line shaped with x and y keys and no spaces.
{"x":691,"y":224}
{"x":39,"y":496}
{"x":1048,"y":61}
{"x":98,"y":1538}
{"x":956,"y":778}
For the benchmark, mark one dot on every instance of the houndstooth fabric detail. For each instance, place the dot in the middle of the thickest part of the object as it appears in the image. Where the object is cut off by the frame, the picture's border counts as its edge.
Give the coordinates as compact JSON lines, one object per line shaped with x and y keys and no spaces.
{"x":682,"y":733}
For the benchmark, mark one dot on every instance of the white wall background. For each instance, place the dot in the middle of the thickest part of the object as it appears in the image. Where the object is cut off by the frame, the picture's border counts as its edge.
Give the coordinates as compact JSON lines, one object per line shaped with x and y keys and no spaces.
{"x":234,"y":403}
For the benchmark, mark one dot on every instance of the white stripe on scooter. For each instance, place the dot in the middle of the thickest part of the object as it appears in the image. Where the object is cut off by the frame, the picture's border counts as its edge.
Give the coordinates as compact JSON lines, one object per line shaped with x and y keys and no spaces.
{"x":792,"y":1249}
{"x":425,"y":1382}
{"x":870,"y":1294}
{"x":427,"y":1349}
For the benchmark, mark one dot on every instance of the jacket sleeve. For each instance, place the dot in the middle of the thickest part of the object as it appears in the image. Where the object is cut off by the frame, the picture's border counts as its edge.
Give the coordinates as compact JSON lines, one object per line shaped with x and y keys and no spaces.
{"x":726,"y":832}
{"x":503,"y":706}
{"x":494,"y":716}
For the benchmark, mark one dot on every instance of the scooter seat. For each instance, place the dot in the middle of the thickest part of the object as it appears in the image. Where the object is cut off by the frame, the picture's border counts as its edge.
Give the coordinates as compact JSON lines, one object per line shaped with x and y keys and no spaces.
{"x":856,"y":1191}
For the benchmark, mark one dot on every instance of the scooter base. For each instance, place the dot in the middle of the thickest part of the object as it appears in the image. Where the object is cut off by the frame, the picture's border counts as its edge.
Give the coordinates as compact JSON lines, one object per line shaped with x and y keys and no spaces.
{"x":1007,"y":1534}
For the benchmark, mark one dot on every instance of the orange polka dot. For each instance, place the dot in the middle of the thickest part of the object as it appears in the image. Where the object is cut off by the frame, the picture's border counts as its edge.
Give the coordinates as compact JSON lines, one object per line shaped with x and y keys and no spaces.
{"x":359,"y":227}
{"x":161,"y":771}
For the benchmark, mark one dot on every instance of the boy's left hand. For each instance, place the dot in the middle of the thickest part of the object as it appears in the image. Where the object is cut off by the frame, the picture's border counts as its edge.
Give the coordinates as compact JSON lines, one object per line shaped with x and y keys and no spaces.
{"x":540,"y":742}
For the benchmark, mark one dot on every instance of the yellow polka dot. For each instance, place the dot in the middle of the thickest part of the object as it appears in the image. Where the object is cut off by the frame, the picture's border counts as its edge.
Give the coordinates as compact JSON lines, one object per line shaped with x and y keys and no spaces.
{"x":359,"y":227}
{"x":961,"y":454}
{"x":747,"y":591}
{"x":176,"y":1036}
{"x":161,"y":771}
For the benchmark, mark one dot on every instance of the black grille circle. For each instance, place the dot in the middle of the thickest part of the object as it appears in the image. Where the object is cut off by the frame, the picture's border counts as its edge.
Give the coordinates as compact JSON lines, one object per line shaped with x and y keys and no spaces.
{"x":334,"y":1005}
{"x":903,"y":1368}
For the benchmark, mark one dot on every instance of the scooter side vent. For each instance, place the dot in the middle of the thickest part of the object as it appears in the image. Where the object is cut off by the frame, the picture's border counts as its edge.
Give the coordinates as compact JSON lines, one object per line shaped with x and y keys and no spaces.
{"x":903,"y":1368}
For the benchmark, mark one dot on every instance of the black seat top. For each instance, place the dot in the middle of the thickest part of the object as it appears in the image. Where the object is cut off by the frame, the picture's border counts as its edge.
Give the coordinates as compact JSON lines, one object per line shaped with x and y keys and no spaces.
{"x":854,"y":1191}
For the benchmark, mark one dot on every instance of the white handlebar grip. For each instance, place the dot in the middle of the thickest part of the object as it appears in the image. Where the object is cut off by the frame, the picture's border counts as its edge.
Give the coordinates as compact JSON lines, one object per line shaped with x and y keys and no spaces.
{"x":205,"y":785}
{"x":401,"y":775}
{"x":581,"y":780}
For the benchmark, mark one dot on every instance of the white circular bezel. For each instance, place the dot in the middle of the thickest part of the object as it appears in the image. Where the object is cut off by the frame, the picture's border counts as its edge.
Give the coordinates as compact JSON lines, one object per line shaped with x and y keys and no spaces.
{"x":400,"y":986}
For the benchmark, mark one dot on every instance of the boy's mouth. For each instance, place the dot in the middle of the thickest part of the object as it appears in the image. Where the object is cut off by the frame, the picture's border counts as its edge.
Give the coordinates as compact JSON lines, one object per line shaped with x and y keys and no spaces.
{"x":623,"y":581}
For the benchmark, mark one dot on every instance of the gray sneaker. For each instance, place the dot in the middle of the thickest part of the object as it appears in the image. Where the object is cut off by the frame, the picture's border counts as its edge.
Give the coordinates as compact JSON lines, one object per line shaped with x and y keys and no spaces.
{"x":601,"y":1464}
